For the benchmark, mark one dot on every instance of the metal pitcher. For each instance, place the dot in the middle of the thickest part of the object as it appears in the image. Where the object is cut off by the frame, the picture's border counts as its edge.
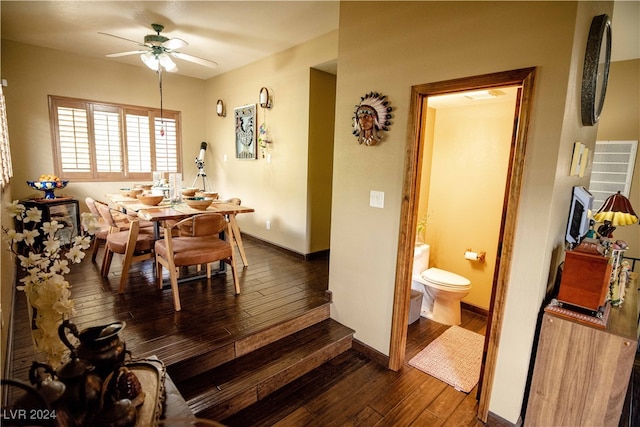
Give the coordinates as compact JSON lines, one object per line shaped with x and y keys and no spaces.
{"x":99,"y":345}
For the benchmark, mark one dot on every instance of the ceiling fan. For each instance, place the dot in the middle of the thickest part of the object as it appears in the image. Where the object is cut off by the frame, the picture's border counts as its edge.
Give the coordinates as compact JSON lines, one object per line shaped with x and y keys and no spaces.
{"x":156,"y":51}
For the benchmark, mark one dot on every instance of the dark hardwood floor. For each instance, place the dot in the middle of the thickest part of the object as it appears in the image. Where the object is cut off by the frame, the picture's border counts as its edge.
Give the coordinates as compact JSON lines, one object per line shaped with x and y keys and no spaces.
{"x":349,"y":390}
{"x":352,"y":390}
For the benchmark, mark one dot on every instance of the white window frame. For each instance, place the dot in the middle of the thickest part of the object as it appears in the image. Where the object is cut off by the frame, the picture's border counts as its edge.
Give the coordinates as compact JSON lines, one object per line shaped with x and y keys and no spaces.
{"x":106,"y":147}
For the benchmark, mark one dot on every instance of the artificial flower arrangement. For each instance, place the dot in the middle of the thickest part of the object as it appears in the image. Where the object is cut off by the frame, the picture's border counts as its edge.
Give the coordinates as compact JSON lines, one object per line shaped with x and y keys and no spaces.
{"x":44,"y":261}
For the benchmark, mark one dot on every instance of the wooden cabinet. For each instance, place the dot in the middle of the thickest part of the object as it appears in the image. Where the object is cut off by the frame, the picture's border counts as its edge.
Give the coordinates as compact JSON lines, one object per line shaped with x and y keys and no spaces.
{"x":581,"y":372}
{"x":585,"y":280}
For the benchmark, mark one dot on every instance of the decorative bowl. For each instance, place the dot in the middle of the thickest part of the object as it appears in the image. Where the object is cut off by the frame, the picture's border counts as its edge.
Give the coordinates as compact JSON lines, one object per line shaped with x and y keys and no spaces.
{"x":150,"y":199}
{"x":211,"y":194}
{"x":131,"y":192}
{"x":189,"y":192}
{"x":145,"y":187}
{"x":200,"y":203}
{"x":48,"y":187}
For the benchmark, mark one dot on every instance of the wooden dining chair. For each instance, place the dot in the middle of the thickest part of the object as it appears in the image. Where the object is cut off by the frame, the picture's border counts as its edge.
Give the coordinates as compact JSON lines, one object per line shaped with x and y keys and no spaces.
{"x":100,"y":236}
{"x":197,"y":242}
{"x":135,"y":243}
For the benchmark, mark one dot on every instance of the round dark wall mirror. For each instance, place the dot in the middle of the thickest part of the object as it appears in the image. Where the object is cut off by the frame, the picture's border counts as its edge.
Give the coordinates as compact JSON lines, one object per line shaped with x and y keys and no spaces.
{"x":597,"y":60}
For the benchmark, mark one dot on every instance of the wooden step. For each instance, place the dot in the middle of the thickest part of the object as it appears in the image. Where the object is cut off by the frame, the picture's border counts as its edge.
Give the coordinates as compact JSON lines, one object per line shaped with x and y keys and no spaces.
{"x":226,"y":389}
{"x":214,"y":353}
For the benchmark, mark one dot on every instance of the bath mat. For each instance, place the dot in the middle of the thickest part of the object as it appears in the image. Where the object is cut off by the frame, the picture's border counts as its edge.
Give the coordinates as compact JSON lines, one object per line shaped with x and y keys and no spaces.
{"x":454,"y":357}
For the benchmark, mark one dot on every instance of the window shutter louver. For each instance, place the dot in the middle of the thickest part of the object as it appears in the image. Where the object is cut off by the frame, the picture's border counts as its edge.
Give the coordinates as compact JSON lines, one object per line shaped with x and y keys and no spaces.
{"x":107,"y":141}
{"x":166,"y":147}
{"x":74,"y":140}
{"x":612,"y":169}
{"x":138,"y":143}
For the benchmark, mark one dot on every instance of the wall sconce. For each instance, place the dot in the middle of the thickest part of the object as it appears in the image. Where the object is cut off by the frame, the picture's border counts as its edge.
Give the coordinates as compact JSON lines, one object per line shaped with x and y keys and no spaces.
{"x":220,"y":108}
{"x":265,"y":98}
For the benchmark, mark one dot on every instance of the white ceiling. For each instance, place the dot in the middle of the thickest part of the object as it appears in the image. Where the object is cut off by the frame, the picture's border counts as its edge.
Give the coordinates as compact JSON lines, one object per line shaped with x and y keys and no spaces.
{"x":231,"y":33}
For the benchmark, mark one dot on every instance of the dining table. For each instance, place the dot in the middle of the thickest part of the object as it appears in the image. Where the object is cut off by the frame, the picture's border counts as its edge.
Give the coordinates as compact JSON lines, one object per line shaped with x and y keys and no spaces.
{"x":178,"y":210}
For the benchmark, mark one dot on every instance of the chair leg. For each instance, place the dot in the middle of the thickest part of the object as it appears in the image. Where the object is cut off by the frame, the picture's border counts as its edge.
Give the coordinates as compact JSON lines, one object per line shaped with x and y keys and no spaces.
{"x":128,"y":255}
{"x":95,"y":245}
{"x":173,"y":276}
{"x":158,"y":272}
{"x":106,"y":261}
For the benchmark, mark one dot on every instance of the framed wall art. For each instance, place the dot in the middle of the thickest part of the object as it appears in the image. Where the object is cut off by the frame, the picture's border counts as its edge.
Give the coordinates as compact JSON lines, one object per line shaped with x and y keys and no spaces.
{"x":245,"y":122}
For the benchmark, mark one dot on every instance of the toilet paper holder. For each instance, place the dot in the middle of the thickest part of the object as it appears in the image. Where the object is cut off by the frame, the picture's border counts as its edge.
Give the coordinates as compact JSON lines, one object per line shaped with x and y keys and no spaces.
{"x":474,"y":256}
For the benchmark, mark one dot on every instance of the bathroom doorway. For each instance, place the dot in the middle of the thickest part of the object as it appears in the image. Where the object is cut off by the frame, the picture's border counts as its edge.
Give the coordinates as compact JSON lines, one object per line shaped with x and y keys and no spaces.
{"x":523,"y":80}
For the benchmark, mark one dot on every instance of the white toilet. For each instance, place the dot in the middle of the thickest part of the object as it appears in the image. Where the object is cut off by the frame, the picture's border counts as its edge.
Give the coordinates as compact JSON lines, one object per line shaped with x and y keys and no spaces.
{"x":442,"y":289}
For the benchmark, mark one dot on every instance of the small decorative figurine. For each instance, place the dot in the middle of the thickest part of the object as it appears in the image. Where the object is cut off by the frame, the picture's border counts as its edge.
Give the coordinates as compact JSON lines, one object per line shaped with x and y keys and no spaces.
{"x":371,"y":117}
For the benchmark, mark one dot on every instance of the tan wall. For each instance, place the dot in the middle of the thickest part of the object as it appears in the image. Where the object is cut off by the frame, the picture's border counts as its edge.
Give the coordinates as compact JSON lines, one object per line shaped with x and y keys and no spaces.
{"x":620,"y":121}
{"x":33,"y":73}
{"x":278,"y":191}
{"x":417,"y":42}
{"x":422,"y":42}
{"x":429,"y":122}
{"x":468,"y":175}
{"x":322,"y":110}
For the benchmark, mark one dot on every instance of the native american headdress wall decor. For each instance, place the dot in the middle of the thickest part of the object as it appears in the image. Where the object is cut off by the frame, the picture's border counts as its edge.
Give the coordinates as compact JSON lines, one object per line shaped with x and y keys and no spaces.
{"x":372,"y":116}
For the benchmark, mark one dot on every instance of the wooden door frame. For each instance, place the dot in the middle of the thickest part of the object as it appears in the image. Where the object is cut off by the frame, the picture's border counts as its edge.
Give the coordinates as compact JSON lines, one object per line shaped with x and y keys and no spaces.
{"x":409,"y":212}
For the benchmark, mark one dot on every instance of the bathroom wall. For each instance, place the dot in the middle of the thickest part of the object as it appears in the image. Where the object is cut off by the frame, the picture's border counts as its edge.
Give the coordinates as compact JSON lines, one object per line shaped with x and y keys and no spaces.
{"x":429,"y":125}
{"x":469,"y":166}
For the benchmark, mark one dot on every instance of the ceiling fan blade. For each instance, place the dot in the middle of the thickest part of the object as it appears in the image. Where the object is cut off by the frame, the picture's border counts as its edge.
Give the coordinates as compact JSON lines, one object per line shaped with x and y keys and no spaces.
{"x":131,"y":52}
{"x":121,"y":38}
{"x":197,"y":60}
{"x":174,"y":44}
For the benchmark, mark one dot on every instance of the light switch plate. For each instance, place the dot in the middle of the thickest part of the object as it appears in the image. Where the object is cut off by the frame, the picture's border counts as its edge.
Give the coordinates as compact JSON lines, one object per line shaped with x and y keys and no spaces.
{"x":376,"y":199}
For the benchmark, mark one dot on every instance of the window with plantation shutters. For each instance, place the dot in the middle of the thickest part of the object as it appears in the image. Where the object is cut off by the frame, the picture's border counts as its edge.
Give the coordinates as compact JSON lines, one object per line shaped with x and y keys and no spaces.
{"x":612,"y":169}
{"x":94,"y":141}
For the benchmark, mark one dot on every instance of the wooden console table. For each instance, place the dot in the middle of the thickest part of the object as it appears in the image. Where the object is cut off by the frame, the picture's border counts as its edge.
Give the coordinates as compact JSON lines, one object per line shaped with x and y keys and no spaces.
{"x":582,"y":372}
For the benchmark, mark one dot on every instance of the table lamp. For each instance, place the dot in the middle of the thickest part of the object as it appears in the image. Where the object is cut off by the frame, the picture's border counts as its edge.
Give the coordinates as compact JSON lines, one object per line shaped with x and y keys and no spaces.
{"x":615,"y":211}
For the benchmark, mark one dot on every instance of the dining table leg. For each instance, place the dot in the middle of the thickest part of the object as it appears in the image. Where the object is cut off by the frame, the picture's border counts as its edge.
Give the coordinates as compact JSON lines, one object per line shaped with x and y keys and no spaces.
{"x":238,"y":238}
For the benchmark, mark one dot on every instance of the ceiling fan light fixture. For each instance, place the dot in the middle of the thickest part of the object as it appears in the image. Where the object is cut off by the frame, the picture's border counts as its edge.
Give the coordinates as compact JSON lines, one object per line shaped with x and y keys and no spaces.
{"x":154,"y":61}
{"x":150,"y":60}
{"x":167,"y":63}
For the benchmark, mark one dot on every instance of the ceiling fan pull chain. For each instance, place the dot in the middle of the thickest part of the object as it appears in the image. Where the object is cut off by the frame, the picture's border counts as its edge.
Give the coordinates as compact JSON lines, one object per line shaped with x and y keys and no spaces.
{"x":161,"y":109}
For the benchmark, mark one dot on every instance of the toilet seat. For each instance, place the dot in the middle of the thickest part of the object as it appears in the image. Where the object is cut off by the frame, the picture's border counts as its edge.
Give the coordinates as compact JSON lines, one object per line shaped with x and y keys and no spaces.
{"x":445,"y":278}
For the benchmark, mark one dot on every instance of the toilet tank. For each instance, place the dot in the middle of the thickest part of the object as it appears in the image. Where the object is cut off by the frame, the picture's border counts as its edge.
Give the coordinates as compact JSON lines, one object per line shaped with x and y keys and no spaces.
{"x":420,"y":258}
